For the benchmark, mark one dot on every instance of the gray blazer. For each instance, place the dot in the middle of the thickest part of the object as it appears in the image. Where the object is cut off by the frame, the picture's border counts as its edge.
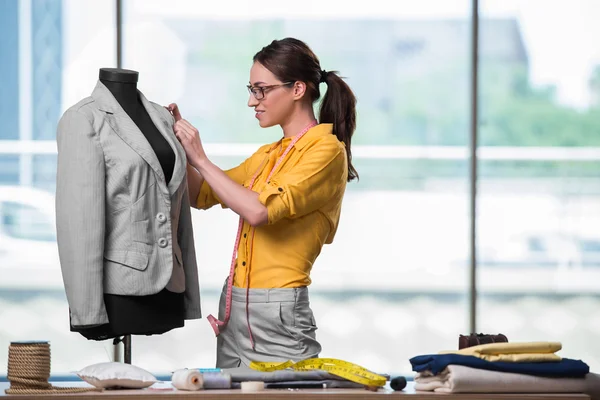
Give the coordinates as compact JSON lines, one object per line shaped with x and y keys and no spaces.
{"x":120,"y":228}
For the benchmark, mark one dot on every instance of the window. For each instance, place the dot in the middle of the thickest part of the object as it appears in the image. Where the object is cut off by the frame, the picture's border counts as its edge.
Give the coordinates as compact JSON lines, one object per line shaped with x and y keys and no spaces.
{"x":398,"y":268}
{"x":539,"y":169}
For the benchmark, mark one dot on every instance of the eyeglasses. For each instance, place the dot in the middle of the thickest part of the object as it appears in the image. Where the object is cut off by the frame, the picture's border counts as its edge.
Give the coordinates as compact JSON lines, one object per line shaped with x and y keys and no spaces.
{"x":259,"y":91}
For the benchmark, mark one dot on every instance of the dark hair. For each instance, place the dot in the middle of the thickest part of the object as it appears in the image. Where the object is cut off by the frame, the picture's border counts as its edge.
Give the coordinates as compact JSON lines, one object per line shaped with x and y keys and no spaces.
{"x":292,"y":60}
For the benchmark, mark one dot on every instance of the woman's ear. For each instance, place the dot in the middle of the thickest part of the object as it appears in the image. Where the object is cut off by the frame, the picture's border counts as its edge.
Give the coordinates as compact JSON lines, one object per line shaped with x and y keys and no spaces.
{"x":299,"y":90}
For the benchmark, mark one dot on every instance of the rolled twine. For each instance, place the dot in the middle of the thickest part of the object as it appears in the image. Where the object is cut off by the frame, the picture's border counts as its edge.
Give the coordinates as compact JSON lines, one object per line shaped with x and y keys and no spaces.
{"x":29,"y":370}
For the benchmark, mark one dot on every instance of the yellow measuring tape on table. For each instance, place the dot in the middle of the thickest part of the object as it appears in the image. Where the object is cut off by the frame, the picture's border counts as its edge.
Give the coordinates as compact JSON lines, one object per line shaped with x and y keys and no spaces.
{"x":344,"y":369}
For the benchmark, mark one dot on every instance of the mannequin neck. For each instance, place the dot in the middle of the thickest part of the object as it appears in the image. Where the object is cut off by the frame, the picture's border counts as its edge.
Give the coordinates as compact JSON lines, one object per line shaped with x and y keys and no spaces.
{"x":122,"y":83}
{"x":126,"y":94}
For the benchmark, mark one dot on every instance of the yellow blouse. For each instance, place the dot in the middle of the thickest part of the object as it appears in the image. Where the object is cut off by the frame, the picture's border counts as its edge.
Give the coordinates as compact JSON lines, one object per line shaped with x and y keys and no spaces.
{"x":303,"y":199}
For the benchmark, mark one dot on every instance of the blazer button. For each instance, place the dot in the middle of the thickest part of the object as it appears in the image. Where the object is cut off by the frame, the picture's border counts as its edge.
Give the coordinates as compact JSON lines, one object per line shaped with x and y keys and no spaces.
{"x":162,"y":242}
{"x":161,"y":217}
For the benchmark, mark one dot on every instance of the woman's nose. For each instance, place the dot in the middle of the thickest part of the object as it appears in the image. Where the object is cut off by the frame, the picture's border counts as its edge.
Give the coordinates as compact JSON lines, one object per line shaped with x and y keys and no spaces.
{"x":252,"y":101}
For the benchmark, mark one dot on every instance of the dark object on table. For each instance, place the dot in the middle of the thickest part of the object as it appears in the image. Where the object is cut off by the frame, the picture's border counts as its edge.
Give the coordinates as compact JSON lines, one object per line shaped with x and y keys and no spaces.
{"x":398,"y":383}
{"x":475,"y":339}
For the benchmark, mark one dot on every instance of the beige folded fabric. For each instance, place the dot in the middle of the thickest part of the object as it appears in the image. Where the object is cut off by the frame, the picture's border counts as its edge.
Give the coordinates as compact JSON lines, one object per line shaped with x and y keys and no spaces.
{"x":461,"y":379}
{"x":513,"y":352}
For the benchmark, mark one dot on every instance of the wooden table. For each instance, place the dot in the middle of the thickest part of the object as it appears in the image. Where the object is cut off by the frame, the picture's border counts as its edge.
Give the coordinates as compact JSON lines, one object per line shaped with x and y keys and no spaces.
{"x":287,"y":394}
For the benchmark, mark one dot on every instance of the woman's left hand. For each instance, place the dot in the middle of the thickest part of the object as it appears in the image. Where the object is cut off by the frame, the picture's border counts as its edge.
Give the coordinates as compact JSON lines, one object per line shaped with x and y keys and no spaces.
{"x":188,"y":136}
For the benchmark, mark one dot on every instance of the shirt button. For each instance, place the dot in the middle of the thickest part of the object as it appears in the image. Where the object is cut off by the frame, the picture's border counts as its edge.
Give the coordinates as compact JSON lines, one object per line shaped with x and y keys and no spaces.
{"x":162,"y":242}
{"x":244,"y":263}
{"x":245,"y":234}
{"x":280,"y":189}
{"x":161,"y":217}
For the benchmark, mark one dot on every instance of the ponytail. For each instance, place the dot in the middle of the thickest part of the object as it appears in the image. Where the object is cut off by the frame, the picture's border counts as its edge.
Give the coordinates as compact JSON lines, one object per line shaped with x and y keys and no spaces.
{"x":339,"y":108}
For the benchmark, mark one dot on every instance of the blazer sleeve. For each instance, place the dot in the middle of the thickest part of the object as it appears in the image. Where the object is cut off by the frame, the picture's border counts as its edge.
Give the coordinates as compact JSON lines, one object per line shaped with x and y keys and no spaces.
{"x":188,"y":253}
{"x":80,"y":197}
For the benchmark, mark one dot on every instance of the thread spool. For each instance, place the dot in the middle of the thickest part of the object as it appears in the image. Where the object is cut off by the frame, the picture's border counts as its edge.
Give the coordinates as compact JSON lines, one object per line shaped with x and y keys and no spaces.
{"x":187,"y":379}
{"x":216,"y":380}
{"x":29,"y":370}
{"x":253,"y":386}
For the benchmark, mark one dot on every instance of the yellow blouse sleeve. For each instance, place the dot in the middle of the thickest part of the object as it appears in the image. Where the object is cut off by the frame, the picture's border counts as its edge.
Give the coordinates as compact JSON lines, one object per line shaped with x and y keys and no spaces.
{"x":207,"y":197}
{"x":319,"y":175}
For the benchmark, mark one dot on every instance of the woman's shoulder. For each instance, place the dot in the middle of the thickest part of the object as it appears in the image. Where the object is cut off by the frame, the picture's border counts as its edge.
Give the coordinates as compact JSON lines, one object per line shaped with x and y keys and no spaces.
{"x":323,"y":143}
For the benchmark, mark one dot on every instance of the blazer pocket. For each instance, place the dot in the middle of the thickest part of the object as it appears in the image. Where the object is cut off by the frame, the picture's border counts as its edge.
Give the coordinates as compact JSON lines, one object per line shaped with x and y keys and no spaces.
{"x":127,"y":258}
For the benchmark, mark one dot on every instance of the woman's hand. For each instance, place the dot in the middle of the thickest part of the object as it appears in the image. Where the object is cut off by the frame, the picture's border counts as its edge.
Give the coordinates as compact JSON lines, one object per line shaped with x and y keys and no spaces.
{"x":240,"y":199}
{"x":188,"y":136}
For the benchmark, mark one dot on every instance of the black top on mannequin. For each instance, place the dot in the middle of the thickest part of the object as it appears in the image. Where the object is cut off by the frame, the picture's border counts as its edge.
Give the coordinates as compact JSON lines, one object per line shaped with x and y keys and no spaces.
{"x":122,"y":83}
{"x":163,"y":311}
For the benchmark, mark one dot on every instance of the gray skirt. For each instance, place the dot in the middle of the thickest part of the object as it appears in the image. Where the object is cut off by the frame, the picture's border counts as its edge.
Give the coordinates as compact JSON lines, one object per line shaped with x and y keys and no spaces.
{"x":282,"y":325}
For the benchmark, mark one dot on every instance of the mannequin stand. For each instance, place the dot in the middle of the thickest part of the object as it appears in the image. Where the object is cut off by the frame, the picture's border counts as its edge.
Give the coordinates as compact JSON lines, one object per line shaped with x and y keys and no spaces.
{"x":126,"y":340}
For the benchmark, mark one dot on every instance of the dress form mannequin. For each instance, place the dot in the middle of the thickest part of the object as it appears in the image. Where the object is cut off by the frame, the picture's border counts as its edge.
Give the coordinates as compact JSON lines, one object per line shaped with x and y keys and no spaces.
{"x":138,"y":315}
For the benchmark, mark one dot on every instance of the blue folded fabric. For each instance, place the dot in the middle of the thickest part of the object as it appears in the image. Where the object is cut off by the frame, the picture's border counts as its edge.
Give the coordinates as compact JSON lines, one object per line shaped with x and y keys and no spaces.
{"x":437,"y":362}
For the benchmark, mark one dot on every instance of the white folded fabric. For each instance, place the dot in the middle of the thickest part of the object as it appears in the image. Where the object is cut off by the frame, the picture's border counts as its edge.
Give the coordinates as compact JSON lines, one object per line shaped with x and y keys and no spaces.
{"x":461,"y":379}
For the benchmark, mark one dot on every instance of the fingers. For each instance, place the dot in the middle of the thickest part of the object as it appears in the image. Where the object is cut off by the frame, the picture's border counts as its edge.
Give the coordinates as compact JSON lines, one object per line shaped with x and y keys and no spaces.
{"x":183,"y":136}
{"x":185,"y":127}
{"x":189,"y":127}
{"x":183,"y":139}
{"x":174,"y":110}
{"x":181,"y":123}
{"x":188,"y":136}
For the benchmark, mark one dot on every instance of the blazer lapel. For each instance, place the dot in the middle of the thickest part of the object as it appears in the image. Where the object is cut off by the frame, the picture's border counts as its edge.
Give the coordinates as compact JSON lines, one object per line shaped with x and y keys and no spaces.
{"x":129,"y":132}
{"x":166,"y":129}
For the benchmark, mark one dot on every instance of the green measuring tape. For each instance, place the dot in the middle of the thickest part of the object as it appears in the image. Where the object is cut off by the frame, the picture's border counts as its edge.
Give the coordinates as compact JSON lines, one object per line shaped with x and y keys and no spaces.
{"x":343,"y":369}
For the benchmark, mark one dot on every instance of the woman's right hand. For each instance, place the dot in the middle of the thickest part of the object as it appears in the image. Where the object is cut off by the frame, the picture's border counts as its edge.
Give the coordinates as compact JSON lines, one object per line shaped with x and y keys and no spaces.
{"x":188,"y":136}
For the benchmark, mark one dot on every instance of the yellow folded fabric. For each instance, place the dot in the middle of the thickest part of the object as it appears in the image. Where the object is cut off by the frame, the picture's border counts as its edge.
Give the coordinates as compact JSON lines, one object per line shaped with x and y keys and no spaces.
{"x":513,"y":352}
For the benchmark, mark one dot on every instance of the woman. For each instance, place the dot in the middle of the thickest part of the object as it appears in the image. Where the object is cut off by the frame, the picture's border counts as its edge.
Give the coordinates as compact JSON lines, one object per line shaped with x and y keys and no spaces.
{"x":288,"y":196}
